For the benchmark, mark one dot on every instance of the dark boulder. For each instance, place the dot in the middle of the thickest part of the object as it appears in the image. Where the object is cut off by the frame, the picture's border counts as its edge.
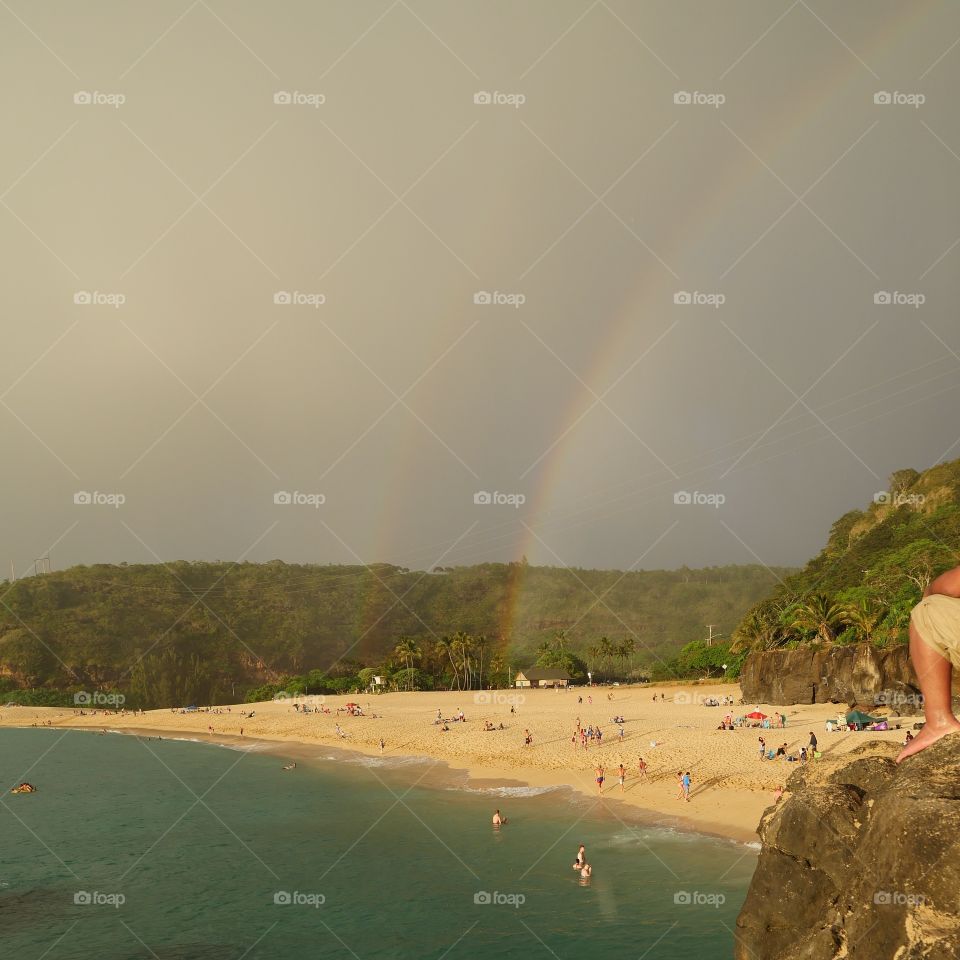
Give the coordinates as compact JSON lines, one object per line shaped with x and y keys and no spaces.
{"x":860,"y":860}
{"x":860,"y":674}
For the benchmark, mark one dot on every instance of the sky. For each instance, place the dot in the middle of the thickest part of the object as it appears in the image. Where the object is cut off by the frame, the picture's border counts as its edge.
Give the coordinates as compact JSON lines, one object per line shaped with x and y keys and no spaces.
{"x":428,"y":282}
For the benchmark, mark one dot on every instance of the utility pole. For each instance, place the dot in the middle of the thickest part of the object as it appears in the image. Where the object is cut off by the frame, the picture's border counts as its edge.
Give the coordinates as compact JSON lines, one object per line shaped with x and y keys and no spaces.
{"x":13,"y":573}
{"x":713,"y":636}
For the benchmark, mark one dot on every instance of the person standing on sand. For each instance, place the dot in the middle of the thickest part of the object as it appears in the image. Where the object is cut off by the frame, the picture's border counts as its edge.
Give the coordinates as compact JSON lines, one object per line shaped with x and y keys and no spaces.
{"x":763,"y":747}
{"x":680,"y":785}
{"x":382,"y":744}
{"x":600,"y":779}
{"x":685,"y":783}
{"x":622,"y":775}
{"x":934,"y":652}
{"x":642,"y":768}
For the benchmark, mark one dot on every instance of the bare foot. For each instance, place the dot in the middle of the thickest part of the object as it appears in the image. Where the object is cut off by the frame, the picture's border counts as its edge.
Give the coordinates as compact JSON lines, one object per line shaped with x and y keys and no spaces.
{"x":929,"y":734}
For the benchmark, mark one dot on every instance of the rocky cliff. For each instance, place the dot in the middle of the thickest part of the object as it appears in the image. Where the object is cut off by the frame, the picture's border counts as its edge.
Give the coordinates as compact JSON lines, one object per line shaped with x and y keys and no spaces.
{"x":855,"y":674}
{"x":860,"y":861}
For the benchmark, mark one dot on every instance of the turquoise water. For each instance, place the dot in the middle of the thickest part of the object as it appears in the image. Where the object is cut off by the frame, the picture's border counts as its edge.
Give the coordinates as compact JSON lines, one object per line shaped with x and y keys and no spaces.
{"x":183,"y":849}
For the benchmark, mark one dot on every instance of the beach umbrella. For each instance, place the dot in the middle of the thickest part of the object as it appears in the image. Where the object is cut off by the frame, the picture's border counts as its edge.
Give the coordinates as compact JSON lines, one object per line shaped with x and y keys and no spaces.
{"x":858,"y":717}
{"x":756,"y":715}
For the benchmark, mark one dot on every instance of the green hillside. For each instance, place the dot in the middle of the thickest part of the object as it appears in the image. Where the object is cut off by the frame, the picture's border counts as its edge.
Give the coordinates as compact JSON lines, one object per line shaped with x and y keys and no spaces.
{"x":182,"y":632}
{"x":874,"y":568}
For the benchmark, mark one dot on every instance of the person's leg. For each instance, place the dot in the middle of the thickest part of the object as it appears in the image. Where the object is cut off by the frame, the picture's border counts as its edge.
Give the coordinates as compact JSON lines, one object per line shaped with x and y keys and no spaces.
{"x":934,"y":674}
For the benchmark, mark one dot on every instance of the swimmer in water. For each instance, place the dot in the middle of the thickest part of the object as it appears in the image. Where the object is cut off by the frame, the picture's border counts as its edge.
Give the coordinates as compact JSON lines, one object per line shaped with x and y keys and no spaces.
{"x":497,"y":819}
{"x":291,"y":766}
{"x":581,"y":858}
{"x":586,"y":871}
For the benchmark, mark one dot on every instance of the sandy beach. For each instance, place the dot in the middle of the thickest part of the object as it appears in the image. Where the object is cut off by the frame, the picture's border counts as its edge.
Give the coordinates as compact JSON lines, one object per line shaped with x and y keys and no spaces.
{"x":731,"y":786}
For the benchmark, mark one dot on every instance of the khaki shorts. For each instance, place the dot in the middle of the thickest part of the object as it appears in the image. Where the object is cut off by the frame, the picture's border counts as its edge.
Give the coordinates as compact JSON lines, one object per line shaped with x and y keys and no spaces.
{"x":937,"y":620}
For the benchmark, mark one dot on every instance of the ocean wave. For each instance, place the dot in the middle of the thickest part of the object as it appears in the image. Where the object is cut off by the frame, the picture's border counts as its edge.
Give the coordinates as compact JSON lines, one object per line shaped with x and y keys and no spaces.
{"x":365,"y":761}
{"x":508,"y":791}
{"x":248,"y":747}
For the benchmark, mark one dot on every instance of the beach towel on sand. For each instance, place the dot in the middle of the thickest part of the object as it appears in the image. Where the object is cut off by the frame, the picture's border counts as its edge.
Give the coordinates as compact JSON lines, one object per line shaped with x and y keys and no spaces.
{"x":937,"y":619}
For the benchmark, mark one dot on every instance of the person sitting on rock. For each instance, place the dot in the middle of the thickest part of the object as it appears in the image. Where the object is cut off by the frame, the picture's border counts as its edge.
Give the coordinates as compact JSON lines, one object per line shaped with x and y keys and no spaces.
{"x":934,"y":652}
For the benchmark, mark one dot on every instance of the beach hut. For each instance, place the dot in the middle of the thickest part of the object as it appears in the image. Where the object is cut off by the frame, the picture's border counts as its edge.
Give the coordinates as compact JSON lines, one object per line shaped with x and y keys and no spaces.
{"x":542,"y":677}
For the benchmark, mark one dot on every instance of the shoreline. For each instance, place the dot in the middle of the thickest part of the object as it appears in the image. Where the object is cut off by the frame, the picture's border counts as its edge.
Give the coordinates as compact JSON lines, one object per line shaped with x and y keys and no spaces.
{"x":732,"y":787}
{"x":473,"y":779}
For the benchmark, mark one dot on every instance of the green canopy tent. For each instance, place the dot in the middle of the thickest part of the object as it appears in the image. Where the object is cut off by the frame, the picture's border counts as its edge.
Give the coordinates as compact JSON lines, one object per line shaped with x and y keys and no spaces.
{"x":860,"y":719}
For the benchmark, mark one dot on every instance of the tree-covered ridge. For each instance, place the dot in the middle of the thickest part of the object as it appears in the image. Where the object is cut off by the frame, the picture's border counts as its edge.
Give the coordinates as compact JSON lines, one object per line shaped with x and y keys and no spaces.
{"x":208,"y":632}
{"x":873,"y":570}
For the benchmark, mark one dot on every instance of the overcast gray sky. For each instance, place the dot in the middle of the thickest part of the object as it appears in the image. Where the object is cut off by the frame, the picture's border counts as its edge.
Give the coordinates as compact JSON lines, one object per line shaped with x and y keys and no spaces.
{"x":149,"y":173}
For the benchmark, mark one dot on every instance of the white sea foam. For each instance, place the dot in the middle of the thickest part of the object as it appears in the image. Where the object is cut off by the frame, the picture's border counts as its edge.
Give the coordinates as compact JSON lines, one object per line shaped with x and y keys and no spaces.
{"x":508,"y":791}
{"x":364,"y":761}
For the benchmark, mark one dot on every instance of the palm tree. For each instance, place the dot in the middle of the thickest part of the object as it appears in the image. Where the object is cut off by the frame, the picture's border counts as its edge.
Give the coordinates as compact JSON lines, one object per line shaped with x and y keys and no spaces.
{"x":481,"y":642}
{"x":624,"y":650}
{"x":445,"y":645}
{"x":606,"y":649}
{"x":497,"y":664}
{"x":408,"y":650}
{"x":757,"y":631}
{"x":864,"y":617}
{"x":817,"y":614}
{"x":463,"y":644}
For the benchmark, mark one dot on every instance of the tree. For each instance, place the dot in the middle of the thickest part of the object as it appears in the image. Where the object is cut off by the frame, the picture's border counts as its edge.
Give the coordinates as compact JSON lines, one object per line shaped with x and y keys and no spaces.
{"x":445,"y":646}
{"x":817,"y":614}
{"x":408,"y":650}
{"x":864,"y":617}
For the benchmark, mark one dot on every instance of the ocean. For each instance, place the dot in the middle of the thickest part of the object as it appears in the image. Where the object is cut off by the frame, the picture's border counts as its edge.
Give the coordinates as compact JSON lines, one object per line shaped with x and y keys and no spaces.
{"x":176,"y":850}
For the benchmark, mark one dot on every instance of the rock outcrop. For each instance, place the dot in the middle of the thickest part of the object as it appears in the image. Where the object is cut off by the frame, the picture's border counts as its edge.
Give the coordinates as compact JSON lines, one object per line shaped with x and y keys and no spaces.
{"x":861,"y":674}
{"x":860,"y":861}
